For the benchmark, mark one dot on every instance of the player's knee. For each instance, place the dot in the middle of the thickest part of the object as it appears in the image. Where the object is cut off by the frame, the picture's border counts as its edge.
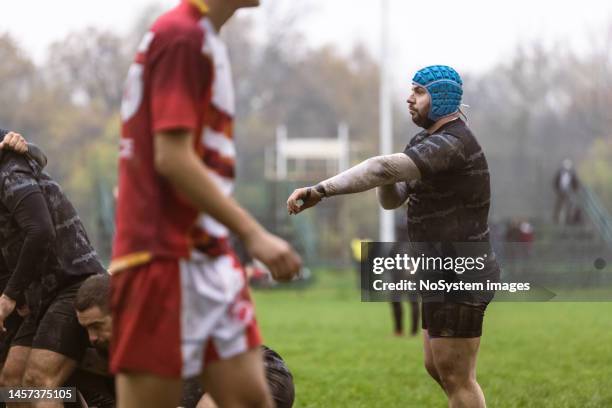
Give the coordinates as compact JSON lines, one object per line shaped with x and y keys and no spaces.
{"x":259,"y":399}
{"x":451,"y":381}
{"x":453,"y":378}
{"x":265,"y":401}
{"x":450,"y":374}
{"x":11,"y":376}
{"x":250,"y":402}
{"x":251,"y":398}
{"x":37,"y":377}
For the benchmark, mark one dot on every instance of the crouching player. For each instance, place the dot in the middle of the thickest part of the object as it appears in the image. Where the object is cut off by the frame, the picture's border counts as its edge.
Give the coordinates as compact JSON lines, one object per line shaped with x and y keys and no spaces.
{"x":93,"y":311}
{"x":16,"y":142}
{"x":48,"y":254}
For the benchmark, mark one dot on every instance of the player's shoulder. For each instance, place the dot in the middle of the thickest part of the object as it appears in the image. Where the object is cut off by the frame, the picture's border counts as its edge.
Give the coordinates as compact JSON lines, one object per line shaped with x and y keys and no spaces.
{"x":418,"y":138}
{"x":460,"y":135}
{"x":12,"y":162}
{"x":457,"y":132}
{"x":458,"y":129}
{"x":15,"y":174}
{"x":178,"y":26}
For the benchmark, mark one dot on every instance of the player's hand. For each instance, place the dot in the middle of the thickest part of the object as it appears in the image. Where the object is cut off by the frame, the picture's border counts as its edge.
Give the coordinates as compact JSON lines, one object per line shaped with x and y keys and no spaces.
{"x":284,"y":263}
{"x":14,"y":141}
{"x":309,"y":197}
{"x":7,"y":305}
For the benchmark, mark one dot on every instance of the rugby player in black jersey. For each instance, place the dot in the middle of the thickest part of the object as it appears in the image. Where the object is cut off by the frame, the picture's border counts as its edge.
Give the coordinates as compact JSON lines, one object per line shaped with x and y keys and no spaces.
{"x":443,"y":175}
{"x":48,"y":254}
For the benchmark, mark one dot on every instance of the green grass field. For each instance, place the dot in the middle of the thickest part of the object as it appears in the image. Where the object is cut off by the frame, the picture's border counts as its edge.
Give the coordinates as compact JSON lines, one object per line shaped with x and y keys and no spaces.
{"x":342,"y":353}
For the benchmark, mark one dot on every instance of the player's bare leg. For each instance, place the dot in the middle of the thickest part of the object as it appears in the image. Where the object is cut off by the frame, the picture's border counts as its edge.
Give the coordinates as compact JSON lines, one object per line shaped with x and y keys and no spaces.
{"x":145,"y":390}
{"x":14,"y":367}
{"x":455,"y":362}
{"x":47,"y":369}
{"x":238,"y":382}
{"x":430,"y":366}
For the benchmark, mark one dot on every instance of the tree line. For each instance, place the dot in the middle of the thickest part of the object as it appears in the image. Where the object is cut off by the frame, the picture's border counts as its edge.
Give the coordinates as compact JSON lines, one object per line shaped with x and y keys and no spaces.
{"x":529,"y":112}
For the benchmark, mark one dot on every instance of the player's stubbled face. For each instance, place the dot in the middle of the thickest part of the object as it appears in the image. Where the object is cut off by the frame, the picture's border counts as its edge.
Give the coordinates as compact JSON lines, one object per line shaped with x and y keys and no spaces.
{"x":99,"y":326}
{"x":418,"y":105}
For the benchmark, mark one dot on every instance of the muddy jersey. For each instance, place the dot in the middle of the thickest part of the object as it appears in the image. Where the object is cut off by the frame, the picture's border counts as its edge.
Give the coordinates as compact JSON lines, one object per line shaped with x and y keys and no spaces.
{"x":66,"y":259}
{"x":451,"y":200}
{"x":448,"y":208}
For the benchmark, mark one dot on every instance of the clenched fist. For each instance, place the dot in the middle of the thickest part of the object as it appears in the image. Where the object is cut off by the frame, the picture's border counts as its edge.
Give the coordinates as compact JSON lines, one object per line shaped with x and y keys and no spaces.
{"x":14,"y":141}
{"x":284,"y":263}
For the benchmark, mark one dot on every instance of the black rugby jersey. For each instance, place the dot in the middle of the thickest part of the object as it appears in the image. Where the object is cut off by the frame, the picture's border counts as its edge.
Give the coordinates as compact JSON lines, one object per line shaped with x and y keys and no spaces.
{"x":69,"y":256}
{"x":448,"y":208}
{"x":451,"y":201}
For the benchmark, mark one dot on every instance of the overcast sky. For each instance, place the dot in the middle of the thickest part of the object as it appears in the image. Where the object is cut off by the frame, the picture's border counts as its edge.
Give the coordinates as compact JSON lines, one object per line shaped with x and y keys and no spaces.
{"x":471,"y":35}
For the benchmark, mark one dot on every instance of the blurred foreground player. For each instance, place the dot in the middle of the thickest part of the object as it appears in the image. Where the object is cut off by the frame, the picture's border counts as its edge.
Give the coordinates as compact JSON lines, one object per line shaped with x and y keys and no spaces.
{"x":93,"y":311}
{"x":180,"y":303}
{"x":444,"y":176}
{"x":48,"y":255}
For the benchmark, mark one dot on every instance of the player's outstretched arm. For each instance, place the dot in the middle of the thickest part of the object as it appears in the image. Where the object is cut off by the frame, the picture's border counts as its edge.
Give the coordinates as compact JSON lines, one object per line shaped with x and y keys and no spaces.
{"x":176,"y":160}
{"x":374,"y":172}
{"x":31,"y":214}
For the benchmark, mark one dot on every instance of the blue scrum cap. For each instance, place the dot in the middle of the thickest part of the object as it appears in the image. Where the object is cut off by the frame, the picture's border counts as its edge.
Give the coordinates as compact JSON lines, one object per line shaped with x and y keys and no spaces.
{"x":445,"y":89}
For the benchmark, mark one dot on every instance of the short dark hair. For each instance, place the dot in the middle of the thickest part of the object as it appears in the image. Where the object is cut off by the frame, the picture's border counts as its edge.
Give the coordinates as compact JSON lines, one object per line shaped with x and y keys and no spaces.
{"x":279,"y":378}
{"x":95,"y":291}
